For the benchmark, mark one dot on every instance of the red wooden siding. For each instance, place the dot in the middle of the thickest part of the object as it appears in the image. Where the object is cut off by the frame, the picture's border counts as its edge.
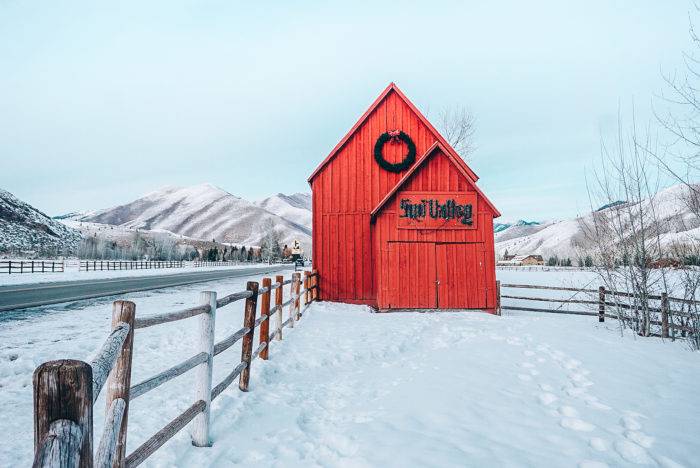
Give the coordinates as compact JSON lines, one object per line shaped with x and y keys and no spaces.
{"x":461,"y":276}
{"x":464,"y":258}
{"x":360,"y":258}
{"x":415,"y":287}
{"x":346,"y":191}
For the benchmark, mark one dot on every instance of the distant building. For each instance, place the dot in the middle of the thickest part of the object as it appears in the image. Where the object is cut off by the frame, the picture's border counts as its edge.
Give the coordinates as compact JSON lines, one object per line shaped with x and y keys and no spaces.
{"x":531,"y":260}
{"x":521,"y":260}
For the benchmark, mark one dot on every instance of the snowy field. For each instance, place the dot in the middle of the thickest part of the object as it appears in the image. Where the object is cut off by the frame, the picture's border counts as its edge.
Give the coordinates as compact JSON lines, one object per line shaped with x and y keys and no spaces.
{"x":348,"y":387}
{"x":72,"y":273}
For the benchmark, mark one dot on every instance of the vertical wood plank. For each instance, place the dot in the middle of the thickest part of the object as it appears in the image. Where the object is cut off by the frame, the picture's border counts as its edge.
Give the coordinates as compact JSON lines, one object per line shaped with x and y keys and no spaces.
{"x":278,"y":306}
{"x":251,"y":304}
{"x":203,"y":379}
{"x":265,"y":312}
{"x":119,"y":380}
{"x":297,"y":301}
{"x":664,"y":315}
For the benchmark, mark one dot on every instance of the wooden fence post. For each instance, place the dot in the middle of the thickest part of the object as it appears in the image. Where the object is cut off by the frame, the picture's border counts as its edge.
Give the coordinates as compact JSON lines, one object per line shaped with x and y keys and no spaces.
{"x":314,"y":296}
{"x":207,"y":324}
{"x":119,"y":380}
{"x":664,"y":315}
{"x":601,"y":304}
{"x":297,"y":301}
{"x":63,"y":391}
{"x":279,"y":292}
{"x":307,"y":283}
{"x":265,"y":312}
{"x":498,"y":298}
{"x":292,"y":303}
{"x":248,"y":322}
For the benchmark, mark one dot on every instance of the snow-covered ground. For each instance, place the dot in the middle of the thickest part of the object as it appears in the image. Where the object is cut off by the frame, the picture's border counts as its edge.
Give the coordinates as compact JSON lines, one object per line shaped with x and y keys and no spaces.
{"x":72,"y":273}
{"x":347,"y":387}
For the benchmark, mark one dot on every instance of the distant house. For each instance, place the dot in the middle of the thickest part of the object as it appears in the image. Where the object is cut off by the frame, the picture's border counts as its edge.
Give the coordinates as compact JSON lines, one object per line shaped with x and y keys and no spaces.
{"x":521,"y":260}
{"x":530,"y":259}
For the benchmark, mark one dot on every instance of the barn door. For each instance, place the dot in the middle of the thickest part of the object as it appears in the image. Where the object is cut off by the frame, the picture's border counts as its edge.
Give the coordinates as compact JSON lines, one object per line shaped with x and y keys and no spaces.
{"x":408,"y":276}
{"x":461,"y":276}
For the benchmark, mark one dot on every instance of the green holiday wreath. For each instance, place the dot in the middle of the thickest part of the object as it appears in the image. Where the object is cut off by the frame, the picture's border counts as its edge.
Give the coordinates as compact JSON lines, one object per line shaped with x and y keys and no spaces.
{"x":395,"y":135}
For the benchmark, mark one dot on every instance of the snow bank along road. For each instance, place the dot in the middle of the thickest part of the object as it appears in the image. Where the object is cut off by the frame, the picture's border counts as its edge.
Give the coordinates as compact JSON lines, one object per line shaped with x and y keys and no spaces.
{"x":32,"y":295}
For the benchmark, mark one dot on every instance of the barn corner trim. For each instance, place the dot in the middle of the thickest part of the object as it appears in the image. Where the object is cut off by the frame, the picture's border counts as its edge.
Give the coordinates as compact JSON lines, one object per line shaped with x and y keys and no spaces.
{"x":437,"y":146}
{"x":392,"y":87}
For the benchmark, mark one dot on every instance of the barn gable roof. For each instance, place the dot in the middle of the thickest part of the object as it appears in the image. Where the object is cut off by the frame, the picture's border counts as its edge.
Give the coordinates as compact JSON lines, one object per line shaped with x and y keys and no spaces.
{"x":436,"y":147}
{"x":393,"y":88}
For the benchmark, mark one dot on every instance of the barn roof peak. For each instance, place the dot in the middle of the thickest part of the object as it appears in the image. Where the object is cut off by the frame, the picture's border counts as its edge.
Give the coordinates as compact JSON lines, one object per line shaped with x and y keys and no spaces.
{"x":392,"y":87}
{"x":437,"y":146}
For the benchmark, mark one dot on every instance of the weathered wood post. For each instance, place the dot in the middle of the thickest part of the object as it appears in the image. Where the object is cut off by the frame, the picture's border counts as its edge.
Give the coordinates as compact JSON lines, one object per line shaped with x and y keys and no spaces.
{"x":207,"y":325}
{"x":63,"y":399}
{"x":265,"y":312}
{"x":315,"y":293}
{"x":251,"y":304}
{"x":119,"y":380}
{"x":297,"y":289}
{"x":279,"y":292}
{"x":307,"y":284}
{"x":664,"y":315}
{"x":292,"y":303}
{"x":498,"y":297}
{"x":601,"y":304}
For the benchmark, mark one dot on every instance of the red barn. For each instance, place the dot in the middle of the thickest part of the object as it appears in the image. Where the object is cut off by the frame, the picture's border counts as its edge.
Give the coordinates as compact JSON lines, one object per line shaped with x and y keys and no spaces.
{"x":398,"y":221}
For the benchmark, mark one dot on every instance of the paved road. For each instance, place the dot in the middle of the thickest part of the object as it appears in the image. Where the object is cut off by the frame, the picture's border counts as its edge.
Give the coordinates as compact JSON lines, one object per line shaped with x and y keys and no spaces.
{"x":22,"y":296}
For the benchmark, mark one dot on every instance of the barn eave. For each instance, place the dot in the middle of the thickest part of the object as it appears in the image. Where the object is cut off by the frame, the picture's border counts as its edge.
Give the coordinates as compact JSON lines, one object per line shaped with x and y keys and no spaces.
{"x":447,"y":148}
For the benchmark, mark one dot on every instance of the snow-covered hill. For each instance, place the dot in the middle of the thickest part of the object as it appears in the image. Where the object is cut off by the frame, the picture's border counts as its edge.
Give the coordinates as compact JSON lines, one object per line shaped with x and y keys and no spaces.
{"x":208,"y":212}
{"x":296,"y":207}
{"x":566,"y":238}
{"x":24,"y":229}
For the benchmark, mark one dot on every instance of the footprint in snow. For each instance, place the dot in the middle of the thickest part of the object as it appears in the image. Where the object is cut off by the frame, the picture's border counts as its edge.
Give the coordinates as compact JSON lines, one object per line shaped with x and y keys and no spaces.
{"x":633,"y":453}
{"x":594,"y":403}
{"x":598,"y":444}
{"x":592,"y":464}
{"x":571,"y":421}
{"x":576,"y":424}
{"x":640,"y":438}
{"x":547,"y":398}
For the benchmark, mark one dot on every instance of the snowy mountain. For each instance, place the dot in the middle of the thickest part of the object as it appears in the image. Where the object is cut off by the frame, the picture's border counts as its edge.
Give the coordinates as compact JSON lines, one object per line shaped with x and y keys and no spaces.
{"x":23,"y":228}
{"x":296,"y":207}
{"x":505,"y":231}
{"x":208,"y":212}
{"x":566,"y":238}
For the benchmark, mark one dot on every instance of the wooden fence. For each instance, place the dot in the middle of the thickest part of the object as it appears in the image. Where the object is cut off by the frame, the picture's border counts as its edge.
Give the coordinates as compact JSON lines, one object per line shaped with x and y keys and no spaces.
{"x":66,"y":390}
{"x":213,"y":264}
{"x":605,"y":301}
{"x":542,"y":268}
{"x":31,"y":266}
{"x":111,"y":265}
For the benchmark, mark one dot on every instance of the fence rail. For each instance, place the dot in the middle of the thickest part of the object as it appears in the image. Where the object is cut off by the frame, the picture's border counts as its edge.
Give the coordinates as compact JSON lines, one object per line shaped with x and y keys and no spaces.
{"x":65,"y":390}
{"x":31,"y":266}
{"x":605,"y":300}
{"x":114,"y":265}
{"x":211,"y":264}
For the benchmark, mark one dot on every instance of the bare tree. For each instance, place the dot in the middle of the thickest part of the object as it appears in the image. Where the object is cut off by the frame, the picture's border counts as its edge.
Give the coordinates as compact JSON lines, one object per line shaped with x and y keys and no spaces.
{"x":458,"y":126}
{"x":624,"y":236}
{"x":680,"y":158}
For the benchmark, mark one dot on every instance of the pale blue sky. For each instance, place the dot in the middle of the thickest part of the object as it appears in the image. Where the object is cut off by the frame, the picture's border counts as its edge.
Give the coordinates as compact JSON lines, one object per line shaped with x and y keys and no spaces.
{"x":101,"y":102}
